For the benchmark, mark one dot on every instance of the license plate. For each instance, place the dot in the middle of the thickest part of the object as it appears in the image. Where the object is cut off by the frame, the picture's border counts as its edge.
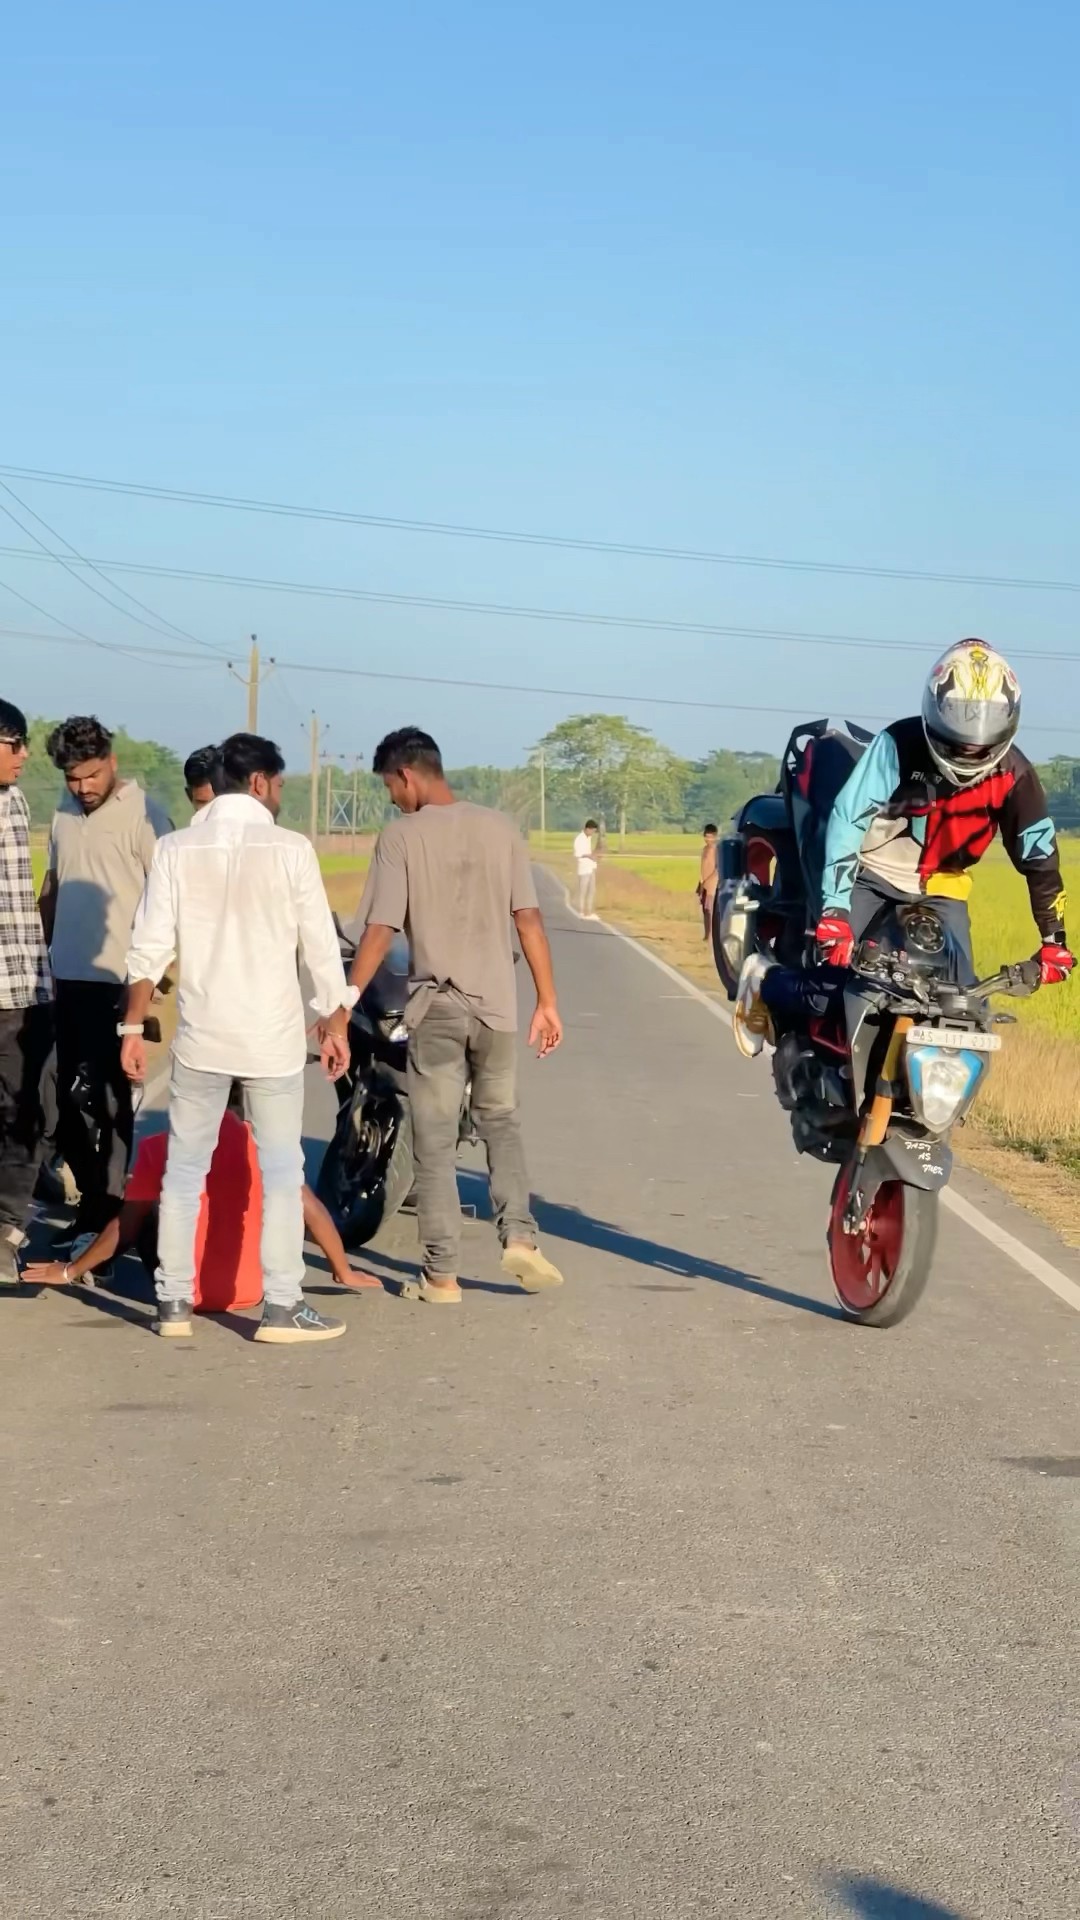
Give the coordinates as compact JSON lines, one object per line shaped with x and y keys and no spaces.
{"x":953,"y":1037}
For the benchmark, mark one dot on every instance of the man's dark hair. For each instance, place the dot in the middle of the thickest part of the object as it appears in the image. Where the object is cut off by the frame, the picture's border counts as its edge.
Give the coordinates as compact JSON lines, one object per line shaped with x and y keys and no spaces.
{"x":407,"y":747}
{"x":242,"y":756}
{"x":77,"y":740}
{"x":710,"y":828}
{"x":592,"y":826}
{"x":12,"y":722}
{"x":203,"y":768}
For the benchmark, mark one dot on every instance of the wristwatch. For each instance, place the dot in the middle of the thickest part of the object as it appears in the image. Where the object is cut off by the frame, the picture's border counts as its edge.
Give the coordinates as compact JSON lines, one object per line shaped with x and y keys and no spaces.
{"x":130,"y":1026}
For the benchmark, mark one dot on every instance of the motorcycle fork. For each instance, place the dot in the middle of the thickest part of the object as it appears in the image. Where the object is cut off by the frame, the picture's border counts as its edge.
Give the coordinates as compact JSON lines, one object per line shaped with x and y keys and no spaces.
{"x":873,"y":1128}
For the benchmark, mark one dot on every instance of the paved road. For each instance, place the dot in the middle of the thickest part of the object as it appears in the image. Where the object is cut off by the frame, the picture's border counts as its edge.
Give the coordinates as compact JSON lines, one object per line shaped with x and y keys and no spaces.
{"x":666,"y":1598}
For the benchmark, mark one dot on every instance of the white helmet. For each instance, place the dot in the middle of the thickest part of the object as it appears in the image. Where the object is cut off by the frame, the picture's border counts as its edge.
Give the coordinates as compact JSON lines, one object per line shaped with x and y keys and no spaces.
{"x":970,"y":711}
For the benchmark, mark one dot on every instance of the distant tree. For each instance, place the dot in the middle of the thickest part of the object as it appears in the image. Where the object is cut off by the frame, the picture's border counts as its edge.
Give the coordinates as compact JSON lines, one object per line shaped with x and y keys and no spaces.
{"x":601,"y":763}
{"x":721,"y":783}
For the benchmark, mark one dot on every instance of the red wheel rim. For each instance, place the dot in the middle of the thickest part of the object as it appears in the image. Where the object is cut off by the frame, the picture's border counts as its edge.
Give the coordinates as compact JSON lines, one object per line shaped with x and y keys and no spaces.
{"x":864,"y":1264}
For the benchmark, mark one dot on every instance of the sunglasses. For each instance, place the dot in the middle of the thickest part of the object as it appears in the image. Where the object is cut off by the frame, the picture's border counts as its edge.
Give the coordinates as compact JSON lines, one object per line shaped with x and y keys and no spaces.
{"x":16,"y":741}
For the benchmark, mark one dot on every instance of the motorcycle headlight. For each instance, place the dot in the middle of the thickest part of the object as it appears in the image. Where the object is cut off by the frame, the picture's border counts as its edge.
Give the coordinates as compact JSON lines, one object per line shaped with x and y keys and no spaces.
{"x":393,"y":1028}
{"x":942,"y":1083}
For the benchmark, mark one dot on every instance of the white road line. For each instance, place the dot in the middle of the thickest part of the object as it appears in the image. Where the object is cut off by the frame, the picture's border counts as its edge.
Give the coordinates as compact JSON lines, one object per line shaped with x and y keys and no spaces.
{"x":1031,"y":1262}
{"x":1005,"y":1242}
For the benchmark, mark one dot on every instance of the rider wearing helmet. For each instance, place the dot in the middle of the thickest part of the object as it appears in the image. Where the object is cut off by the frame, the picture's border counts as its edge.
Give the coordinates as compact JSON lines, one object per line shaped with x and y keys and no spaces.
{"x":924,"y":804}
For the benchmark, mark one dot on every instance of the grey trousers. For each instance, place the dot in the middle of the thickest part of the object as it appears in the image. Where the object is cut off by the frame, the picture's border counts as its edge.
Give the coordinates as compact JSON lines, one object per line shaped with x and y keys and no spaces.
{"x":449,"y":1046}
{"x":586,"y":892}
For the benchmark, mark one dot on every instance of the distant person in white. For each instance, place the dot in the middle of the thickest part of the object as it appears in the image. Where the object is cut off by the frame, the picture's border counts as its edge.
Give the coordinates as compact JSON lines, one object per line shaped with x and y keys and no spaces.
{"x":240,"y":899}
{"x":587,"y":858}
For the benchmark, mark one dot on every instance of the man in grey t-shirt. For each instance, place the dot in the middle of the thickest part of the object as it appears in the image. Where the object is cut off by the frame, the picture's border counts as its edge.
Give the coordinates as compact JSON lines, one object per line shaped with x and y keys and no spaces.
{"x":104,"y":832}
{"x":456,"y":878}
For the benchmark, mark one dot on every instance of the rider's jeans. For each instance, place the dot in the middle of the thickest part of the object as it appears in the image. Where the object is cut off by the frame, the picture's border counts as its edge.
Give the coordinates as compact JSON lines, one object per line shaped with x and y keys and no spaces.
{"x":449,"y":1046}
{"x":276,"y":1112}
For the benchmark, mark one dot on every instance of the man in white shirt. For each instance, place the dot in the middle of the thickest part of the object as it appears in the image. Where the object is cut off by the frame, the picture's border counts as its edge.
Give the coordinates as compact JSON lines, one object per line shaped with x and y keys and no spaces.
{"x":586,"y":856}
{"x":239,"y":898}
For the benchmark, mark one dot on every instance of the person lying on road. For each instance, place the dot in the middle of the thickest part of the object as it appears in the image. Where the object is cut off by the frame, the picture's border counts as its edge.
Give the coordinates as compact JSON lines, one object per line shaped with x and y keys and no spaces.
{"x":228,"y":1270}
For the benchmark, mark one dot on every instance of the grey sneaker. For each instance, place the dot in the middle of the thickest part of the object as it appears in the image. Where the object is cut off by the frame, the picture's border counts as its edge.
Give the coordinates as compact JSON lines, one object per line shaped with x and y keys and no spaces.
{"x":173,"y":1320}
{"x":10,"y":1242}
{"x":286,"y":1326}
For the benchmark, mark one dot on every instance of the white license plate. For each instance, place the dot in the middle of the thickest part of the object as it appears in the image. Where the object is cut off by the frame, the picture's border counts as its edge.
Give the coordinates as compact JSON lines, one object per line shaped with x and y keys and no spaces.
{"x":953,"y":1037}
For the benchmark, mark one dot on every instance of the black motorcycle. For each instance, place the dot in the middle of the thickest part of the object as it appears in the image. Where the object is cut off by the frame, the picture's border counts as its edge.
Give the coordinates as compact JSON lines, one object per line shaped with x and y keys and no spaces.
{"x":876,"y":1066}
{"x":367,"y":1172}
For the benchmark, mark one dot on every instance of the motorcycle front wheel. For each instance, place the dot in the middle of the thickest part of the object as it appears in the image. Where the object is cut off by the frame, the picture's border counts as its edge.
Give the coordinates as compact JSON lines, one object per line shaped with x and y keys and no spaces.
{"x":880,"y":1273}
{"x":367,"y":1171}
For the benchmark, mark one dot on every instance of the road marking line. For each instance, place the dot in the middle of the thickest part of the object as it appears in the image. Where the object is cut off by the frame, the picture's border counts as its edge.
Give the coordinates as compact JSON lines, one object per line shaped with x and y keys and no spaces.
{"x":1032,"y":1263}
{"x":1025,"y":1257}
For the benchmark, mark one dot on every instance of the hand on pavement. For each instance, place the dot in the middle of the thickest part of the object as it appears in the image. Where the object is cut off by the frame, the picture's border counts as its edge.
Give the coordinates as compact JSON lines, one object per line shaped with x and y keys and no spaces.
{"x":1056,"y":962}
{"x":47,"y":1273}
{"x":546,"y":1031}
{"x":835,"y":940}
{"x":133,"y":1057}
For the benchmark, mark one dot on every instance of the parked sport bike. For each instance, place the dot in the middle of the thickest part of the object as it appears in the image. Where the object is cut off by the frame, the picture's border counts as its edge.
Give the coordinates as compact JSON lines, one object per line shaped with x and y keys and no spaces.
{"x":367,"y":1171}
{"x":874,"y":1080}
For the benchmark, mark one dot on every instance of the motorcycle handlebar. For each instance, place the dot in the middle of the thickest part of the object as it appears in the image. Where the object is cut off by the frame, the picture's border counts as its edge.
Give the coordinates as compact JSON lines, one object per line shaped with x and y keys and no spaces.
{"x":1020,"y":979}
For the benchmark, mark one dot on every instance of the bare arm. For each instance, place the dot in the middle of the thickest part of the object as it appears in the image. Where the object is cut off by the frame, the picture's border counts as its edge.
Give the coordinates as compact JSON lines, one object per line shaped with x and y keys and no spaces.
{"x":546,"y":1030}
{"x":47,"y":905}
{"x":116,"y":1237}
{"x":320,"y":1228}
{"x":375,"y":944}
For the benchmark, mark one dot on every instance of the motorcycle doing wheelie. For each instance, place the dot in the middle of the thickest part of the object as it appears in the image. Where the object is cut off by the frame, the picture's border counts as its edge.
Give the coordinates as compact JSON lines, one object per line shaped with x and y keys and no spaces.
{"x":367,"y":1172}
{"x":881,"y":1062}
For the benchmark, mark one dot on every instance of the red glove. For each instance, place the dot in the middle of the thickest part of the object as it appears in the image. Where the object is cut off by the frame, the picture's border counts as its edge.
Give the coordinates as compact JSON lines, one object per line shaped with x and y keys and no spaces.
{"x":835,"y":940}
{"x":1057,"y":963}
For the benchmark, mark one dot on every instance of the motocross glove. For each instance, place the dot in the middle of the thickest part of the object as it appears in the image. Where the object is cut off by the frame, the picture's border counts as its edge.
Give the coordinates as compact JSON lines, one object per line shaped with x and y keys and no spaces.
{"x":835,"y":940}
{"x":1056,"y":961}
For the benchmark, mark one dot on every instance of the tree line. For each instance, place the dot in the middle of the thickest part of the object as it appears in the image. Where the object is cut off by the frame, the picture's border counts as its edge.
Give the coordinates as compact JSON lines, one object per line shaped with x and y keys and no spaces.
{"x":596,"y":764}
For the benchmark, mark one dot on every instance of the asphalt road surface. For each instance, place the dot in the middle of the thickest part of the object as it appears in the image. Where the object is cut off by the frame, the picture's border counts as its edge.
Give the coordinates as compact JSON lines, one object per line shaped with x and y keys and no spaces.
{"x":667,"y":1596}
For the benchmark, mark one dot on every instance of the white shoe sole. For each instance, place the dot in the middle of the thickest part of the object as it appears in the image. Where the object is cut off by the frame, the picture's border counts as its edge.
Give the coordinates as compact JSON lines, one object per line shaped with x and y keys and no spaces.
{"x":294,"y":1336}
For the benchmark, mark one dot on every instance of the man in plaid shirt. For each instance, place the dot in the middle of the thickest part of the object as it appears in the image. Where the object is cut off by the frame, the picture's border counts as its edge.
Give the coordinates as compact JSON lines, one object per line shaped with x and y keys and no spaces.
{"x":26,"y":1012}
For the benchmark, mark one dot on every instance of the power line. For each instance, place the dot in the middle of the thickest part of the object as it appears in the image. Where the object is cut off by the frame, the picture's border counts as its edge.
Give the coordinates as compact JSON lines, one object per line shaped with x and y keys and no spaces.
{"x":455,"y":531}
{"x":573,"y":616}
{"x":556,"y":693}
{"x":78,"y":637}
{"x":158,"y":622}
{"x":59,"y":559}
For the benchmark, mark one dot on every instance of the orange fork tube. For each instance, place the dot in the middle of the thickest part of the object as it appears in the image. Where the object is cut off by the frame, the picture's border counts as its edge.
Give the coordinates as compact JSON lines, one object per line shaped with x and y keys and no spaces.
{"x":875,"y":1123}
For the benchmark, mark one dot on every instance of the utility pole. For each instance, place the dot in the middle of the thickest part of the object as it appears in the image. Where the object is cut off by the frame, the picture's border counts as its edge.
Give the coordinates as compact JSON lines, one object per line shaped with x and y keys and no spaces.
{"x":543,"y":799}
{"x":314,"y":818}
{"x":253,"y":680}
{"x":329,"y":796}
{"x":355,"y":801}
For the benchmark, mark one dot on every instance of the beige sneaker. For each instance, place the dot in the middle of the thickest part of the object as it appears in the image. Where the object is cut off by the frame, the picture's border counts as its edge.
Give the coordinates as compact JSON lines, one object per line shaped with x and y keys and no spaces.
{"x":530,"y":1268}
{"x":751,"y":1021}
{"x":446,"y":1295}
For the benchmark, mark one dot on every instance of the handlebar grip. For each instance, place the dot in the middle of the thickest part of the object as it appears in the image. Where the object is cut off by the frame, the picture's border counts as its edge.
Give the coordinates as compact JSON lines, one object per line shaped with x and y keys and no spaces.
{"x":1029,"y":972}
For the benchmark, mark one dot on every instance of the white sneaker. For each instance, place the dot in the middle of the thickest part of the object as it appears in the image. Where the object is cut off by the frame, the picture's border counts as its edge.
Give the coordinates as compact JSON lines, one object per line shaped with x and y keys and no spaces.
{"x":751,"y":1020}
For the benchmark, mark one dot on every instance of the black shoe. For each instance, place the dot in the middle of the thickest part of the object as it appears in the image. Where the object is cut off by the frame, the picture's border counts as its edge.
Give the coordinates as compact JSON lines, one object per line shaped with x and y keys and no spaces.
{"x":173,"y":1320}
{"x":285,"y":1326}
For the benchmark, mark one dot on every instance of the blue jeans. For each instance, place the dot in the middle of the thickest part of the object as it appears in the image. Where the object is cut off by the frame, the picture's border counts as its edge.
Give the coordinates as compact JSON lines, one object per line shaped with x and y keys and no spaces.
{"x":276,"y":1110}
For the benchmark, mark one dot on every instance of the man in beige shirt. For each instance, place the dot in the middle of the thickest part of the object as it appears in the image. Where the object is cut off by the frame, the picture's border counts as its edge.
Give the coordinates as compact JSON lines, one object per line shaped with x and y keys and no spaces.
{"x":456,"y":879}
{"x":104,"y":833}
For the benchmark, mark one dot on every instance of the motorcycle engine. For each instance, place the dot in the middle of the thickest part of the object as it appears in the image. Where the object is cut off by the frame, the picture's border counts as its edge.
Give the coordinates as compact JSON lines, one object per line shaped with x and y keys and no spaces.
{"x":815,"y":1093}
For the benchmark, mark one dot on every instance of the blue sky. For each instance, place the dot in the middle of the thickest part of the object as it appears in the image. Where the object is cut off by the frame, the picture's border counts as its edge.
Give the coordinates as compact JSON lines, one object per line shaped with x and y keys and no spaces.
{"x":802,"y":285}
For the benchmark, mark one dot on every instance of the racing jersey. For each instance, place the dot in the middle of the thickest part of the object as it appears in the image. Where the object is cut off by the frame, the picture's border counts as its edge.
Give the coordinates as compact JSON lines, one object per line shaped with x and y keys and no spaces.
{"x":901,"y":822}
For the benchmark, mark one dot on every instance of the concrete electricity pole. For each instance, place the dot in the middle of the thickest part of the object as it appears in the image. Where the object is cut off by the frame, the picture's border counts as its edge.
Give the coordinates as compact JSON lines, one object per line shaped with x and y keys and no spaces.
{"x":313,"y":824}
{"x":253,"y":680}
